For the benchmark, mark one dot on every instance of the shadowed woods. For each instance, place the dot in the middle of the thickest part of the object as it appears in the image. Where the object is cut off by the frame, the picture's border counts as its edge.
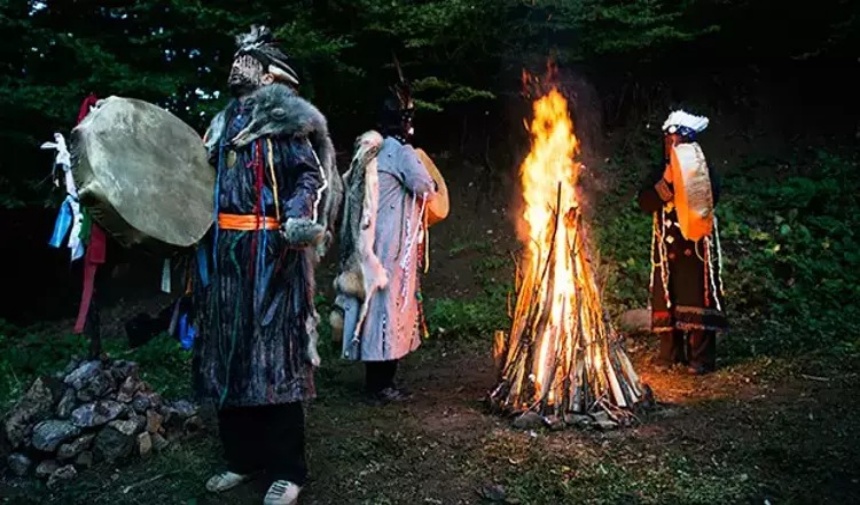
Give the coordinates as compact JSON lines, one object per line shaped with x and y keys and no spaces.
{"x":774,"y":425}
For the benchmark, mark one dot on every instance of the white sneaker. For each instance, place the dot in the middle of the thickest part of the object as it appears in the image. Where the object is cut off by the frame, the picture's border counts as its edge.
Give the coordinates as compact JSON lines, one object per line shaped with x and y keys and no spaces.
{"x":224,"y":481}
{"x":282,"y":492}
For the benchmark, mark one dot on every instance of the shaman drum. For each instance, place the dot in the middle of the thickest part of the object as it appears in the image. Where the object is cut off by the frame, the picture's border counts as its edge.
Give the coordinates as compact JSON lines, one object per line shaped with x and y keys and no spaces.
{"x":694,"y":201}
{"x":438,"y":208}
{"x":143,"y":174}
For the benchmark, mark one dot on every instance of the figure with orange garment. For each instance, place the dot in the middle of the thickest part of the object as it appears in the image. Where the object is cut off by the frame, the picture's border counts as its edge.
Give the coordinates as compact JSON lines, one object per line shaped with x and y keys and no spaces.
{"x":687,"y":308}
{"x":255,"y":352}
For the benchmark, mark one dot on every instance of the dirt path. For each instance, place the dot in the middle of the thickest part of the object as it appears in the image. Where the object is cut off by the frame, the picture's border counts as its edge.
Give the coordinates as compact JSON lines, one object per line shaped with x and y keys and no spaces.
{"x":762,"y":432}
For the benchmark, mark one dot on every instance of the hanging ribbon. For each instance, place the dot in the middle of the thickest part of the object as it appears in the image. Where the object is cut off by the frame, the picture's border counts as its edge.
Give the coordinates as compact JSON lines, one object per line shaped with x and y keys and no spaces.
{"x":165,"y":276}
{"x":69,"y":215}
{"x":94,"y":257}
{"x":62,"y":224}
{"x":96,"y":249}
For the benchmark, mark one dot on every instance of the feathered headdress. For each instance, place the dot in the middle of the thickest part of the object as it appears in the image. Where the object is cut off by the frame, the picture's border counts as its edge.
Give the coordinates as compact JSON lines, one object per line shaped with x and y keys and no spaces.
{"x":260,"y":44}
{"x":401,"y":89}
{"x":684,"y":124}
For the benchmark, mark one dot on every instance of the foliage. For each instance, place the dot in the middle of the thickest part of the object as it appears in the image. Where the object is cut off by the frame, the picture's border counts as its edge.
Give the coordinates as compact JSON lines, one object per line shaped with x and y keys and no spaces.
{"x":790,"y":253}
{"x":793,"y":277}
{"x":28,"y":353}
{"x":176,"y":53}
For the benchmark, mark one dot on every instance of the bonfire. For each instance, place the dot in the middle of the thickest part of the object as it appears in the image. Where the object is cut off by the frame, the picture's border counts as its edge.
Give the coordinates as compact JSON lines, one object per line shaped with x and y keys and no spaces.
{"x":562,"y":356}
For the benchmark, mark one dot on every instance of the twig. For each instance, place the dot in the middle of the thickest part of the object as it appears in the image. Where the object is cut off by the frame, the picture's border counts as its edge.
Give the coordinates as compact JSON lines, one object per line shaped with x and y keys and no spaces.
{"x":160,"y":476}
{"x":814,"y":378}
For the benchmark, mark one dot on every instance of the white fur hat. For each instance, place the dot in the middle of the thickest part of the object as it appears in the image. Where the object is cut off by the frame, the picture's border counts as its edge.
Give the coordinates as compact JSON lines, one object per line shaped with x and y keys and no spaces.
{"x":681,"y":119}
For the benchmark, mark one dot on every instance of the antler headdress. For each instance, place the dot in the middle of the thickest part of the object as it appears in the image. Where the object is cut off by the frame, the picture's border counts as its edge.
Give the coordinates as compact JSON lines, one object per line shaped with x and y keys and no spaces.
{"x":260,"y":44}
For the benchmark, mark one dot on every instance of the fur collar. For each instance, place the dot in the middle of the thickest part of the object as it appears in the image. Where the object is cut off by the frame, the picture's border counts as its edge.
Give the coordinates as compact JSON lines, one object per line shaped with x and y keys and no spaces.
{"x":276,"y":111}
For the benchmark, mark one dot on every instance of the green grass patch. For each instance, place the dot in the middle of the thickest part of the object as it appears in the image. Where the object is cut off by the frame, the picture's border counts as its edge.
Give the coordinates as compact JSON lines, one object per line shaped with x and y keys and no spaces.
{"x":791,"y":253}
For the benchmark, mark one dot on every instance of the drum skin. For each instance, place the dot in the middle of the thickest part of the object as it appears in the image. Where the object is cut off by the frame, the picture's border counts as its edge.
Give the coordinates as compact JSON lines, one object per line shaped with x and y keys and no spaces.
{"x":694,"y":202}
{"x":143,"y":174}
{"x":438,"y":208}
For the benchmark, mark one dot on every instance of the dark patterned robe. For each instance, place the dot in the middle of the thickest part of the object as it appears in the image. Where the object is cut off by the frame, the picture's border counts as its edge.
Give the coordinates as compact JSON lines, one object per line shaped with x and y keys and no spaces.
{"x":694,"y":287}
{"x":254,"y":294}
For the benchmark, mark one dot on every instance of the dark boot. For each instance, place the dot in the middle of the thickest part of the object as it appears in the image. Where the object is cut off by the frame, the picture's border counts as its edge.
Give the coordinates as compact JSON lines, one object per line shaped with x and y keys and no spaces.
{"x":671,"y":350}
{"x":703,"y":352}
{"x":380,"y":382}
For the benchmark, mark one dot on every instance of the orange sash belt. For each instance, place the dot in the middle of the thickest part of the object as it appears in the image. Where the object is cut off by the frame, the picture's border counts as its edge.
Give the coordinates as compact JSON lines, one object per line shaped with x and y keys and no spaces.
{"x":246,"y":222}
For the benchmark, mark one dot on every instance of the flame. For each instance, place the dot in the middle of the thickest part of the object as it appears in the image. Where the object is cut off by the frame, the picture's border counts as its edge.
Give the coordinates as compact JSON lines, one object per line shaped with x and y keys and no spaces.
{"x":558,"y":355}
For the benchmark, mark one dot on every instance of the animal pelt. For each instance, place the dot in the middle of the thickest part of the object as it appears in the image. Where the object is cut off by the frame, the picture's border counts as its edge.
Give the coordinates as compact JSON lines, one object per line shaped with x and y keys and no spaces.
{"x":302,"y":232}
{"x":276,"y":110}
{"x":361,"y":272}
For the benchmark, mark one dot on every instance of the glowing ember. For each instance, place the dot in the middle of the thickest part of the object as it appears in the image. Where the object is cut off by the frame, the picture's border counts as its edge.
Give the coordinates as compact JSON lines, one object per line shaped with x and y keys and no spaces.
{"x":562,"y":355}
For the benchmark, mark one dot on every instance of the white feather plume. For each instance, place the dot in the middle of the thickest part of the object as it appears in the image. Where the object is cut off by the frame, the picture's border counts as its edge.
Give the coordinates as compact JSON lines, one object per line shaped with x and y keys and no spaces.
{"x":256,"y":37}
{"x":680,"y":118}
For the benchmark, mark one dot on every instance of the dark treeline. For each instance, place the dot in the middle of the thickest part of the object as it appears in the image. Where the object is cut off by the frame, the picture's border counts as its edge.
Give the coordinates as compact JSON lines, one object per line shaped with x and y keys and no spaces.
{"x":620,"y":61}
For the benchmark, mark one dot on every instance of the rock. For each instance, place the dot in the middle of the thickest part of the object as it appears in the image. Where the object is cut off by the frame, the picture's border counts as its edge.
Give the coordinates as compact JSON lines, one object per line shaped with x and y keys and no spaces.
{"x":528,"y":420}
{"x":63,"y":473}
{"x":153,"y":421}
{"x":36,"y":405}
{"x":98,"y":386}
{"x":145,"y":400}
{"x":578,"y":420}
{"x":113,"y":445}
{"x":67,"y":403}
{"x":140,"y":403}
{"x":129,"y":427}
{"x":46,"y":468}
{"x":603,"y":421}
{"x":159,"y":443}
{"x":122,"y":370}
{"x":554,"y":423}
{"x":74,"y":363}
{"x":606,"y":425}
{"x":19,"y":464}
{"x":183,"y":408}
{"x":144,"y":444}
{"x":127,"y":390}
{"x":635,"y":321}
{"x":193,"y":425}
{"x":49,"y":434}
{"x":82,"y":375}
{"x":84,"y":459}
{"x":75,"y":447}
{"x":496,"y":494}
{"x":97,"y":413}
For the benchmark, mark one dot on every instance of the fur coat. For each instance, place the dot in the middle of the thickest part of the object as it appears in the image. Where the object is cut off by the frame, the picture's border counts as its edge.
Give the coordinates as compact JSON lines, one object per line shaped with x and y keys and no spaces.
{"x":378,"y":303}
{"x":254,"y":289}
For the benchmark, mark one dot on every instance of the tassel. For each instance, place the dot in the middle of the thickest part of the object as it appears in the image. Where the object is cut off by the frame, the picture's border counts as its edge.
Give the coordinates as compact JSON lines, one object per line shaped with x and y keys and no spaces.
{"x":203,"y":265}
{"x":165,"y":276}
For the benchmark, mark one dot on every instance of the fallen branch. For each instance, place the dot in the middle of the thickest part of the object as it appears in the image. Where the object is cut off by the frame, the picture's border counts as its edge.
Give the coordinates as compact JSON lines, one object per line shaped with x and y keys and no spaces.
{"x":160,"y":476}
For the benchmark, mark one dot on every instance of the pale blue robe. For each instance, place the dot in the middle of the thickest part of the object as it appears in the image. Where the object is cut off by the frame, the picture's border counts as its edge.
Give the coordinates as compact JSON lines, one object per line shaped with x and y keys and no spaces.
{"x":391,"y":328}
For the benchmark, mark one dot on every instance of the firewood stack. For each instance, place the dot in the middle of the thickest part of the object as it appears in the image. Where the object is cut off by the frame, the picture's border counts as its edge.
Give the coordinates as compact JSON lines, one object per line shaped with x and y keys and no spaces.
{"x":563,"y":359}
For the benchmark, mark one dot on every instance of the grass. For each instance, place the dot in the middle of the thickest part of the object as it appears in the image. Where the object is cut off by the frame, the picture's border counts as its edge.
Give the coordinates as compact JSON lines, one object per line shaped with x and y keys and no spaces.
{"x":776,"y":423}
{"x":753,"y":432}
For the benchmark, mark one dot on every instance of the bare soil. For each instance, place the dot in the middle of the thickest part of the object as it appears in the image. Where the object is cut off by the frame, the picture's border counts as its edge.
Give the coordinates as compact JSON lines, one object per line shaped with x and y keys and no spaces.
{"x":763,"y":432}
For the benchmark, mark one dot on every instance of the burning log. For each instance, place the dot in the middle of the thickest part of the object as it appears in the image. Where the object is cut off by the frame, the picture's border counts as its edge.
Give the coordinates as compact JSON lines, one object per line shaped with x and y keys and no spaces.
{"x":562,"y":358}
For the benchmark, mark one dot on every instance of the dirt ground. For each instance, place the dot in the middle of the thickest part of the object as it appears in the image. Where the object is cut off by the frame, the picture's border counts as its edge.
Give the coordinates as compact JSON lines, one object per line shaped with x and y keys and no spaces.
{"x":762,"y":432}
{"x":758,"y":432}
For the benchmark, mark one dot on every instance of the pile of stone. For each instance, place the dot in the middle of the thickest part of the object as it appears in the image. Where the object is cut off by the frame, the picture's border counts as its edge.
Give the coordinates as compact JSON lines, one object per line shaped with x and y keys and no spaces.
{"x":93,"y":411}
